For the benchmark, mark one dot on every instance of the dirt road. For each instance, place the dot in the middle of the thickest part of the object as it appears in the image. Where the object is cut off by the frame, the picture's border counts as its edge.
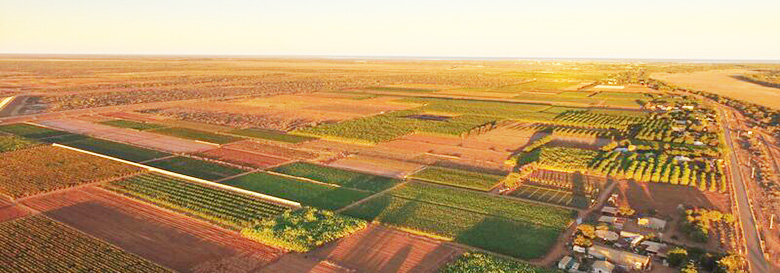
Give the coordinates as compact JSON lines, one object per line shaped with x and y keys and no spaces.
{"x":755,"y":254}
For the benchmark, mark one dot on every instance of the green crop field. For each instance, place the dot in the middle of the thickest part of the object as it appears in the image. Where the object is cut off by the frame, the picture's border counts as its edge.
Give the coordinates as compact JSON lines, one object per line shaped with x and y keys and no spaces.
{"x":469,"y":217}
{"x":121,"y":123}
{"x":385,"y":127}
{"x":196,"y":168}
{"x":197,"y":135}
{"x":12,"y":143}
{"x":115,"y":149}
{"x":458,"y":178}
{"x":30,"y":131}
{"x":481,"y":262}
{"x":270,"y":135}
{"x":230,"y":209}
{"x":336,"y":176}
{"x":306,"y":193}
{"x":304,"y":229}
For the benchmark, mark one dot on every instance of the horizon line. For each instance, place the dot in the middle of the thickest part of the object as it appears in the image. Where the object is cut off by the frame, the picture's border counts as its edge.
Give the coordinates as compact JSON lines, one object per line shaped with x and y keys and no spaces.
{"x":394,"y":57}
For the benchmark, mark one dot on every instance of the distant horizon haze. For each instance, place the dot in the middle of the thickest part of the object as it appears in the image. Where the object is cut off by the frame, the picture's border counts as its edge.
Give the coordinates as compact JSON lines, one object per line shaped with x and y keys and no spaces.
{"x":555,"y":29}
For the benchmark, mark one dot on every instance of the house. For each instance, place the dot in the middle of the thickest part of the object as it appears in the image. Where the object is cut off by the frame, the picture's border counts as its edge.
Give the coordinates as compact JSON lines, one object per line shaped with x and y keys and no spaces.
{"x":602,"y":267}
{"x":688,"y":107}
{"x":621,"y":258}
{"x":651,"y":222}
{"x":607,"y":219}
{"x":569,"y":264}
{"x":655,"y":248}
{"x":607,"y":235}
{"x":611,"y":211}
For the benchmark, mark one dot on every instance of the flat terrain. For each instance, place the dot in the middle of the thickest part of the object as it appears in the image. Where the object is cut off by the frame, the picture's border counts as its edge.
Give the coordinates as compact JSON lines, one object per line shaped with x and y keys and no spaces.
{"x":386,"y":250}
{"x":722,"y":82}
{"x":135,"y":137}
{"x":172,"y":240}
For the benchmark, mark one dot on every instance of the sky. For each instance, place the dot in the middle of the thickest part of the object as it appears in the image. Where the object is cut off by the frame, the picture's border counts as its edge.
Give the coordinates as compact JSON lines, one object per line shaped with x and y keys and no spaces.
{"x":680,"y":29}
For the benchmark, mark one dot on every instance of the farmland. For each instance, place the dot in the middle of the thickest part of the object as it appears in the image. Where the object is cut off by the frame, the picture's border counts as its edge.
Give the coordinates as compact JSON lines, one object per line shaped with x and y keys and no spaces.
{"x":469,"y":217}
{"x":397,"y":165}
{"x":13,"y":143}
{"x":115,"y":149}
{"x":219,"y":206}
{"x":193,"y":134}
{"x":42,"y":169}
{"x":196,"y":168}
{"x":336,"y":176}
{"x":270,"y":135}
{"x":458,"y":178}
{"x":121,"y":123}
{"x":38,"y":244}
{"x":307,"y":193}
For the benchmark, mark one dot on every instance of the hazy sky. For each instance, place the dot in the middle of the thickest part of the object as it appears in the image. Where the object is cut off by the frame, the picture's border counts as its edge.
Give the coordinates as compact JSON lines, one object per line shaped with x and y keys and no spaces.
{"x":746,"y":29}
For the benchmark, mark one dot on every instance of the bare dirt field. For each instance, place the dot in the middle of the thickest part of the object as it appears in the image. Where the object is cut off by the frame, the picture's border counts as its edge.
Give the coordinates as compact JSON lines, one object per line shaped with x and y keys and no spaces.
{"x":9,"y":212}
{"x":145,"y":139}
{"x":723,"y":83}
{"x":386,"y":250}
{"x":275,"y":150}
{"x":297,"y":263}
{"x":446,"y":148}
{"x":376,"y":165}
{"x":244,"y":158}
{"x":166,"y":238}
{"x":665,"y":197}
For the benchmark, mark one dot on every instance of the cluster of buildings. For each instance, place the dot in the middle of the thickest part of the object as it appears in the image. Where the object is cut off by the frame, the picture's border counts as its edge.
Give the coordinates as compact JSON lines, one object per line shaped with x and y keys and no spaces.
{"x":629,"y":245}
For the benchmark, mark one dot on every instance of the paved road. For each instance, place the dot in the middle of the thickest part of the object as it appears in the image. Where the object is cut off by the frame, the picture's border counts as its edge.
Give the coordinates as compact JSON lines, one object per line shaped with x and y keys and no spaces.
{"x":755,"y":255}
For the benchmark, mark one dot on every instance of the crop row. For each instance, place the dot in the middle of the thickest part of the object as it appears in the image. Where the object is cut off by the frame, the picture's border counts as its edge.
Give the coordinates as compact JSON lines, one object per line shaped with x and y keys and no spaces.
{"x":38,"y":244}
{"x":46,"y":168}
{"x":12,"y":143}
{"x":458,"y":178}
{"x":336,"y":176}
{"x":220,"y":206}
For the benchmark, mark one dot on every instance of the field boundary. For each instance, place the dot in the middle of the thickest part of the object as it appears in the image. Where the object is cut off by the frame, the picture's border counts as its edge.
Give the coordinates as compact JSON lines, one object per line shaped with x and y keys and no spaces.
{"x":190,"y":178}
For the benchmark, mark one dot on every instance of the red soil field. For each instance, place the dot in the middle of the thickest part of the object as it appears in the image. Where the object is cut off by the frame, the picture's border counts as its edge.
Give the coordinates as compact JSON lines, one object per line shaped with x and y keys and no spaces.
{"x":166,"y":238}
{"x":666,"y":197}
{"x":244,"y":158}
{"x":296,"y":263}
{"x":145,"y":139}
{"x":9,"y":212}
{"x":386,"y":250}
{"x":271,"y":150}
{"x":376,"y":165}
{"x":131,"y":116}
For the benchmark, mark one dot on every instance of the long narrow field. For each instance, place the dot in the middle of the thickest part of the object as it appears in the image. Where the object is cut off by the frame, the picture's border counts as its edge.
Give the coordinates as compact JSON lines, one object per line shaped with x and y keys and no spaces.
{"x":169,"y":239}
{"x":458,"y":178}
{"x":344,"y":178}
{"x":307,"y":193}
{"x":196,"y":168}
{"x":376,"y":165}
{"x":38,"y":244}
{"x":471,"y":218}
{"x":123,"y":135}
{"x":243,"y":158}
{"x":219,"y":206}
{"x":46,"y":168}
{"x":115,"y":149}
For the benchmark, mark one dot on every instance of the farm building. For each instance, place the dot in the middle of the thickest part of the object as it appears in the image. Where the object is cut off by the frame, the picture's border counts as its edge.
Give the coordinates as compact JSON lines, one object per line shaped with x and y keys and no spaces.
{"x":656,"y":249}
{"x":607,"y":210}
{"x":651,"y":222}
{"x":568,"y":263}
{"x":603,"y":267}
{"x":624,"y":259}
{"x":607,"y":235}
